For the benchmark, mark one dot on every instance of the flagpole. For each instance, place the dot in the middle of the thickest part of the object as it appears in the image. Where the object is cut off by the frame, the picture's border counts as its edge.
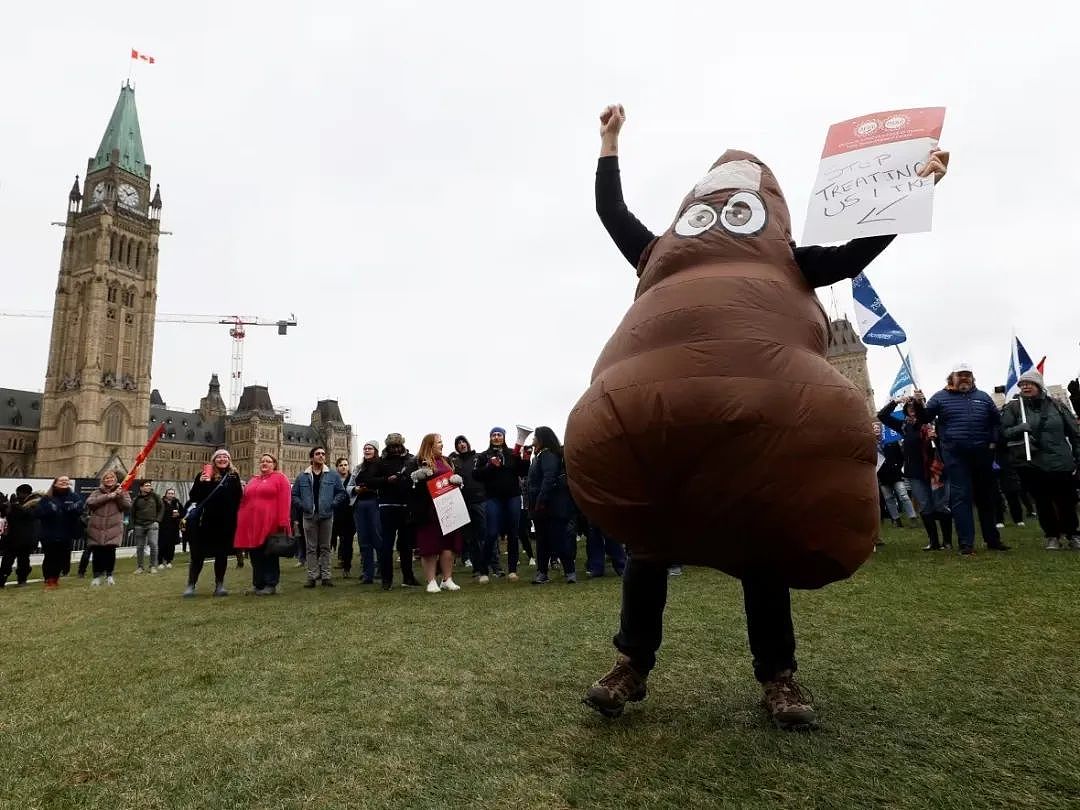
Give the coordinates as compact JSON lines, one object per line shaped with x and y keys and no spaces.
{"x":1019,"y":396}
{"x":904,"y":361}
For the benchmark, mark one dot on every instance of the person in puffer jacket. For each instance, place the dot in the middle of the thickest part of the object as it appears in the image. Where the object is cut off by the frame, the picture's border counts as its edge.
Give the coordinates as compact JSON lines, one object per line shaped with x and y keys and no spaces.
{"x":967,"y":427}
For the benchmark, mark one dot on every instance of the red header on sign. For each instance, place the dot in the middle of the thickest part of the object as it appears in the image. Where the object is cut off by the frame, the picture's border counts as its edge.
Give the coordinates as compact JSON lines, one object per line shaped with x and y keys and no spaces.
{"x":882,"y":128}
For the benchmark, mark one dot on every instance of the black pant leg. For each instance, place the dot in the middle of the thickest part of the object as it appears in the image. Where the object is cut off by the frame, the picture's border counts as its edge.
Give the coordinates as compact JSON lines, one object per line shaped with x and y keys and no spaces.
{"x":1063,"y":494}
{"x":768,"y":626}
{"x":196,"y":563}
{"x":388,"y":517}
{"x":84,"y":560}
{"x":221,"y":565}
{"x":641,"y":620}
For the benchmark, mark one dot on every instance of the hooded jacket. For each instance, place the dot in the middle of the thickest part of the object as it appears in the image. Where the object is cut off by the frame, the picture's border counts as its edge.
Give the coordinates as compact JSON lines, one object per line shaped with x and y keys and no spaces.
{"x":500,"y":481}
{"x":465,"y":464}
{"x":1054,"y":436}
{"x":107,"y":508}
{"x":22,"y":524}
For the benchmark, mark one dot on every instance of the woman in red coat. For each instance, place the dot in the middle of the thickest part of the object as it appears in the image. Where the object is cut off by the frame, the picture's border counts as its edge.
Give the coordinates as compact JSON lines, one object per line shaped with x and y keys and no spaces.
{"x":434,"y":547}
{"x":264,"y":510}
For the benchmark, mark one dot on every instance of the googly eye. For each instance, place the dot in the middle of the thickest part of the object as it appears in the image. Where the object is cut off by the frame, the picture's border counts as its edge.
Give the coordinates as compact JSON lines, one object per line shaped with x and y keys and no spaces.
{"x":744,"y":214}
{"x":695,"y":220}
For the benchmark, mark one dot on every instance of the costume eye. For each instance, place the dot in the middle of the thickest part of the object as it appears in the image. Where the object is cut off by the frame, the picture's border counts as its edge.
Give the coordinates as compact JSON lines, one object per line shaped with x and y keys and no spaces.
{"x":744,"y":214}
{"x":697,"y":219}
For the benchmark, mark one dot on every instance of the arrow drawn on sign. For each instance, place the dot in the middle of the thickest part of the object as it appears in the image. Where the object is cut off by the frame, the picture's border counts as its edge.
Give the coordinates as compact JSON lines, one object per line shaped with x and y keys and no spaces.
{"x":872,"y":211}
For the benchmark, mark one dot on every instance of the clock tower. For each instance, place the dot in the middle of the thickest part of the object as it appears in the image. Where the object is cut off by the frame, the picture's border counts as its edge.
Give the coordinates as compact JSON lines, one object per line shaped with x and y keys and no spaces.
{"x":96,"y":404}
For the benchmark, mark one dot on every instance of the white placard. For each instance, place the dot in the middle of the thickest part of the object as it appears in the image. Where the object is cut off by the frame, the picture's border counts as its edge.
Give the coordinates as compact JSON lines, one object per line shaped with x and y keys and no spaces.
{"x":868,"y":183}
{"x":451,"y":510}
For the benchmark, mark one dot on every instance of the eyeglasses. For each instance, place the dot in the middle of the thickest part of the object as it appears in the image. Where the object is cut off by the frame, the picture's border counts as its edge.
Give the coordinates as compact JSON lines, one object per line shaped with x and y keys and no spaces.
{"x":320,"y":453}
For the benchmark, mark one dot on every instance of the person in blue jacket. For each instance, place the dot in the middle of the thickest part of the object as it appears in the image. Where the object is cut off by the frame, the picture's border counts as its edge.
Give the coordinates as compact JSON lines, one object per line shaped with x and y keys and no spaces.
{"x":968,"y":424}
{"x":318,"y":493}
{"x":549,"y":505}
{"x":59,"y":515}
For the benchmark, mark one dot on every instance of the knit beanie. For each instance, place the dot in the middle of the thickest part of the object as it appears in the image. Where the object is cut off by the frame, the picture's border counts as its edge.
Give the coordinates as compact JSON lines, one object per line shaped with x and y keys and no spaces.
{"x":221,"y":452}
{"x":1034,"y":377}
{"x":497,"y":430}
{"x":374,"y":444}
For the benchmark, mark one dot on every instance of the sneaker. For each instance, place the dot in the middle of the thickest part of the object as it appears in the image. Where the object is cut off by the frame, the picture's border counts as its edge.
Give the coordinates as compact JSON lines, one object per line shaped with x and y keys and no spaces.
{"x":788,"y":704}
{"x":189,"y":591}
{"x":219,"y":590}
{"x":1074,"y":542}
{"x":675,"y":571}
{"x":967,"y":551}
{"x":541,"y":579}
{"x":570,"y":579}
{"x":1021,"y":525}
{"x":931,"y":547}
{"x":450,"y":585}
{"x":386,"y":586}
{"x":95,"y":582}
{"x":109,"y":580}
{"x":432,"y":587}
{"x":512,"y":577}
{"x":139,"y":570}
{"x":499,"y":574}
{"x":168,"y":565}
{"x":468,"y":563}
{"x":532,"y":562}
{"x":483,"y":579}
{"x":309,"y":584}
{"x":622,"y":685}
{"x":999,"y":525}
{"x":268,"y":590}
{"x":153,"y":569}
{"x":1053,"y":544}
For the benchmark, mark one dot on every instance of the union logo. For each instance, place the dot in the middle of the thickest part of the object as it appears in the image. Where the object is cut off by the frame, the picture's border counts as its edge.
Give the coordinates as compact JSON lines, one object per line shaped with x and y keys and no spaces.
{"x":868,"y":127}
{"x":896,"y":122}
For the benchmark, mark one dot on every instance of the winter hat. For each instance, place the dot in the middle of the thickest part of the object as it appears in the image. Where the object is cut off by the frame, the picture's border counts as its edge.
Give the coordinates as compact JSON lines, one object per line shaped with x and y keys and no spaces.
{"x":374,"y":444}
{"x":1034,"y":377}
{"x":394,"y":438}
{"x":495,"y":430}
{"x":221,"y":452}
{"x":462,"y":439}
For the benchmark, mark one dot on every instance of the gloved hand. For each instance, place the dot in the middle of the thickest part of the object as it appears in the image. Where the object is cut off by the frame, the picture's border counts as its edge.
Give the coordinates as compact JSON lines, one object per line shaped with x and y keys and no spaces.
{"x":421,"y":474}
{"x":1024,"y":426}
{"x":456,"y":480}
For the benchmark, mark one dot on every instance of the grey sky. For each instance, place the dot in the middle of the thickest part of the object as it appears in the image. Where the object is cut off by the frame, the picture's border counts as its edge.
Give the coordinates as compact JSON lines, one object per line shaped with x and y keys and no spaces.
{"x":414,"y":181}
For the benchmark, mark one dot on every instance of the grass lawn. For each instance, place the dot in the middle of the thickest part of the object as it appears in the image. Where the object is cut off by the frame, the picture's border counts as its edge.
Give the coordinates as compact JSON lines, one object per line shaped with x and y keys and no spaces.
{"x":940,"y":682}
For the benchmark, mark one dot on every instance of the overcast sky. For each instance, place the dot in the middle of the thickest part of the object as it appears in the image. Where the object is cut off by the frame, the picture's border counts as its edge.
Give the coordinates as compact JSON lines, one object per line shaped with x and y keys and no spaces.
{"x":414,"y":181}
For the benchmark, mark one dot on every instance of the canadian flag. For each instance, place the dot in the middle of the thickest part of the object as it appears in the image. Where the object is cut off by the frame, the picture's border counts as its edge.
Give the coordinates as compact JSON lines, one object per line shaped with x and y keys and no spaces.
{"x":1041,"y":365}
{"x":144,"y":57}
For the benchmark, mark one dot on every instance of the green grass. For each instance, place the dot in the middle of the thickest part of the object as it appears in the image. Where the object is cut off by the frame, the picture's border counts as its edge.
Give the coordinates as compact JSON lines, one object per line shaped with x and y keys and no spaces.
{"x":940,"y":682}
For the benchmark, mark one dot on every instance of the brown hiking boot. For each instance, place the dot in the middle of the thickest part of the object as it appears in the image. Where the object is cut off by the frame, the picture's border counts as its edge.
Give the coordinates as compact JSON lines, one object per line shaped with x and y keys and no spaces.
{"x":622,"y":685}
{"x":788,"y":703}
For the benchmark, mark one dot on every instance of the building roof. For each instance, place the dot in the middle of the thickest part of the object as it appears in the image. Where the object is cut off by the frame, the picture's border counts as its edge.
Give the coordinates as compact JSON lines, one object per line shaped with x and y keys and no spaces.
{"x":122,"y":136}
{"x":299,"y":434}
{"x":187,"y":428}
{"x":843,"y":339}
{"x":20,"y":410}
{"x":255,"y":398}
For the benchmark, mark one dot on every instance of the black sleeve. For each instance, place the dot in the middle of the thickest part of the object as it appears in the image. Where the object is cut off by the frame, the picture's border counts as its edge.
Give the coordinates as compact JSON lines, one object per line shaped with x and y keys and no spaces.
{"x":629,"y":235}
{"x":885,"y":416}
{"x":823,"y":266}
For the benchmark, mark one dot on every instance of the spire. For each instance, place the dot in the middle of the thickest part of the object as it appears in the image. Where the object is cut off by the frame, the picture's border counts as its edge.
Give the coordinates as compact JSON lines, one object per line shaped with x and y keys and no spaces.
{"x":156,"y":202}
{"x":75,"y":195}
{"x":212,"y":404}
{"x":121,"y":145}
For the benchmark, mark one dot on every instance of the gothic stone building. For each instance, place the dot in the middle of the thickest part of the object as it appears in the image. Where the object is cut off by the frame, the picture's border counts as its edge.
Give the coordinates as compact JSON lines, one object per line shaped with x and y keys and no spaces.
{"x":96,"y":411}
{"x":847,"y":354}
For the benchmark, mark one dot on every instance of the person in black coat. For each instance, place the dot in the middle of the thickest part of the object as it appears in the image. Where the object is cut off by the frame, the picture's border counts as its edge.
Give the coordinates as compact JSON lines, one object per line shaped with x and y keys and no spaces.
{"x":395,"y":498}
{"x":169,"y":531}
{"x":498,"y":469}
{"x":20,"y":540}
{"x":217,"y":493}
{"x":464,"y":459}
{"x":549,"y":505}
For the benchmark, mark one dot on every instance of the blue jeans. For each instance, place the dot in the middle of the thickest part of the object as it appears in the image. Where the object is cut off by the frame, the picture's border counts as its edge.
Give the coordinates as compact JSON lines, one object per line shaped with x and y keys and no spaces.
{"x":368,"y":534}
{"x":971,"y":488}
{"x":896,"y":498}
{"x":597,"y":544}
{"x":503,"y":517}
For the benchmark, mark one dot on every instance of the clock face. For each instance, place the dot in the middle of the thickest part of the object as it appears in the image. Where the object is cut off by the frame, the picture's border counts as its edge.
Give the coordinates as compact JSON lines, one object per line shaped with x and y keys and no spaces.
{"x":99,"y":192}
{"x":127,"y":196}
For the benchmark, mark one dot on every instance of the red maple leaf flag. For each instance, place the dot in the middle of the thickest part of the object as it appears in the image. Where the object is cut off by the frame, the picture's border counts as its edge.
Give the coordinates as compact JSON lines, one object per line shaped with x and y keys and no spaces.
{"x":1041,"y":365}
{"x":142,"y":56}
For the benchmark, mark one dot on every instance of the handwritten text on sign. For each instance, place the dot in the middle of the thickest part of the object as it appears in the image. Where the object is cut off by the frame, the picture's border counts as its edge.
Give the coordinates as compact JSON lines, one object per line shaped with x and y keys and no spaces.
{"x":868,"y":183}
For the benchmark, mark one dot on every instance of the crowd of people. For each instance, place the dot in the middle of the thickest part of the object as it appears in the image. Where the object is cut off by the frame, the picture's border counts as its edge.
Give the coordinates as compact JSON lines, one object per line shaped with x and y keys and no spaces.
{"x":382,"y":508}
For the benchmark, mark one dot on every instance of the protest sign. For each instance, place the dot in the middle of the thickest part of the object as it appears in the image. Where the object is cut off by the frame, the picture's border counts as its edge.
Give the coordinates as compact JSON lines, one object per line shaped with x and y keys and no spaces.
{"x":449,"y":503}
{"x":868,"y":182}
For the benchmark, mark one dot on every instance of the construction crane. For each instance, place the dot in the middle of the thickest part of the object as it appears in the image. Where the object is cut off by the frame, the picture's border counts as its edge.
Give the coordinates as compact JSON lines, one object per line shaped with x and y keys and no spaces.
{"x":237,"y":331}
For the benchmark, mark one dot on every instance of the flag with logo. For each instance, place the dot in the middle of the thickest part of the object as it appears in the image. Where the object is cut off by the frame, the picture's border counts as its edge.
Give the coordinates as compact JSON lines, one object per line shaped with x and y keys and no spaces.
{"x":876,"y":325}
{"x":1019,"y":362}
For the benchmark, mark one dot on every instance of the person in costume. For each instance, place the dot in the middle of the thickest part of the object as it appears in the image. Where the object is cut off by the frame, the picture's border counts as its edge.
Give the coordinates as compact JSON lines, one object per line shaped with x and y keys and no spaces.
{"x":714,"y":427}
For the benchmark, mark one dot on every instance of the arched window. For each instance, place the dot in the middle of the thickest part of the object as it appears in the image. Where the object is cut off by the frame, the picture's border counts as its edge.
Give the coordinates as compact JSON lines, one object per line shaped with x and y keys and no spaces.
{"x":114,"y":424}
{"x":68,"y":418}
{"x":112,"y":246}
{"x":138,"y":256}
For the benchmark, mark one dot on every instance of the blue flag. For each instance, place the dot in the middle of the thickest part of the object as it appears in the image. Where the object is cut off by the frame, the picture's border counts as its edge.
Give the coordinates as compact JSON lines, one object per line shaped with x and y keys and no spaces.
{"x":903,"y":385}
{"x":876,"y":325}
{"x":1019,"y":362}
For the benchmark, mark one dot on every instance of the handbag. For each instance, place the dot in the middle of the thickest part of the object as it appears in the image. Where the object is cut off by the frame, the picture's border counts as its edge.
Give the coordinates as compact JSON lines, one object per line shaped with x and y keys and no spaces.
{"x":280,"y":544}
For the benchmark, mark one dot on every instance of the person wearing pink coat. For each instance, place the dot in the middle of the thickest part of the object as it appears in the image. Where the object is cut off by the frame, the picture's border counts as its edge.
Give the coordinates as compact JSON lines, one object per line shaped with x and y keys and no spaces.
{"x":264,"y":510}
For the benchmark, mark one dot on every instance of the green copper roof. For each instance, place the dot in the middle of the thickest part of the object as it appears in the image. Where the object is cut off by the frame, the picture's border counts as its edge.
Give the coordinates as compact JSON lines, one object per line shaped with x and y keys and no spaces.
{"x":123,"y":135}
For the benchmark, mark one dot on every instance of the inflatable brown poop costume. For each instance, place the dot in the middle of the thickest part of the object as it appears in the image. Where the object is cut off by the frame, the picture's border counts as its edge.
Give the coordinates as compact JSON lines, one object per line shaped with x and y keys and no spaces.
{"x":714,"y":431}
{"x":714,"y":426}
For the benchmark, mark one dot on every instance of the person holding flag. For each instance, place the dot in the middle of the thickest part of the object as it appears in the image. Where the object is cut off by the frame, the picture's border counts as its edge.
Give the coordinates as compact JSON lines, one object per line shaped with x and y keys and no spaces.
{"x":967,"y":424}
{"x":1043,"y":443}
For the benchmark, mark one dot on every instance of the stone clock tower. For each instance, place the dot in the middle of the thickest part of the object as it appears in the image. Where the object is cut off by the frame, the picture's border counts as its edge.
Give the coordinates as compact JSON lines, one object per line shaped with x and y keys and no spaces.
{"x":96,"y":403}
